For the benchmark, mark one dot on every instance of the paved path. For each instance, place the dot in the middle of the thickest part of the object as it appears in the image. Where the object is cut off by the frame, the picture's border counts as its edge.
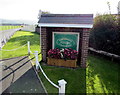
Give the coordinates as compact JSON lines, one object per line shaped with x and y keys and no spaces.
{"x":18,"y":76}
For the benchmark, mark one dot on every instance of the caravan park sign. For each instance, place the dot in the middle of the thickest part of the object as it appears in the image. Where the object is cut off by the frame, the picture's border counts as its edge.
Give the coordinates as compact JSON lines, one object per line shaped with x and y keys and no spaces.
{"x":64,"y":40}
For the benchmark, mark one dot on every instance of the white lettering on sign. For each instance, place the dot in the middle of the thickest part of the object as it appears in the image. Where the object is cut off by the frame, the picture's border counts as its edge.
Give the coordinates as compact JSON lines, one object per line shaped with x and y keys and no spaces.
{"x":64,"y":42}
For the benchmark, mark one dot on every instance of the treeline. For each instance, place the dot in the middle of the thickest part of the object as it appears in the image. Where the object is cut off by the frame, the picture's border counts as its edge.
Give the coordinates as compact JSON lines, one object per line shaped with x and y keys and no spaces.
{"x":105,"y":34}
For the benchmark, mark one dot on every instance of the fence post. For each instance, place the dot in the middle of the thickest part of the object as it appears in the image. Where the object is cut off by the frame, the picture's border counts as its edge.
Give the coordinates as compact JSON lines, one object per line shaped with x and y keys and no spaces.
{"x":28,"y":47}
{"x":36,"y":60}
{"x":62,"y":84}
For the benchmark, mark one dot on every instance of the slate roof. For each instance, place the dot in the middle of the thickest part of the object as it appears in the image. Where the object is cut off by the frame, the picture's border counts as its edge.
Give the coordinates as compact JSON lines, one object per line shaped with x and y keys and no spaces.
{"x":66,"y":18}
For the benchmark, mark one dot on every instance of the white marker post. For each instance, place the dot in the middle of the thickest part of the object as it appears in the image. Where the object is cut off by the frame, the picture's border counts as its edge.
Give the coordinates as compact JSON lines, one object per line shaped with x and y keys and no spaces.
{"x":62,"y":84}
{"x":36,"y":60}
{"x":28,"y":47}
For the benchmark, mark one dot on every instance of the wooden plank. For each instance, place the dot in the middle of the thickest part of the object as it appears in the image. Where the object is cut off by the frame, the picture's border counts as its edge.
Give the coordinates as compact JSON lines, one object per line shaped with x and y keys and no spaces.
{"x":61,"y":62}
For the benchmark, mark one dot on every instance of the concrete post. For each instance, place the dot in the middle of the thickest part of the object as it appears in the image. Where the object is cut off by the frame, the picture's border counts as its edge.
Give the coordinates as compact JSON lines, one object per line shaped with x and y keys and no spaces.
{"x":36,"y":60}
{"x":62,"y":84}
{"x":28,"y":47}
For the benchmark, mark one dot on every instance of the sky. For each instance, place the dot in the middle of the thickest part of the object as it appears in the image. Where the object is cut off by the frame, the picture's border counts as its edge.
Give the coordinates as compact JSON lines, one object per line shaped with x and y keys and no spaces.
{"x":28,"y":9}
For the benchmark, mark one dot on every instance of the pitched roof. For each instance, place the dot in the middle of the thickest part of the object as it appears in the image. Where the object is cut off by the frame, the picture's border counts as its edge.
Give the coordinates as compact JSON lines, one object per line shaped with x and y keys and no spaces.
{"x":67,"y":18}
{"x":76,"y":19}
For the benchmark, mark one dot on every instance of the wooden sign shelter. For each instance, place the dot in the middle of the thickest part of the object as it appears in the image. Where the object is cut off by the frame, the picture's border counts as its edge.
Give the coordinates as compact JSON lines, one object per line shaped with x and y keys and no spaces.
{"x":65,"y":31}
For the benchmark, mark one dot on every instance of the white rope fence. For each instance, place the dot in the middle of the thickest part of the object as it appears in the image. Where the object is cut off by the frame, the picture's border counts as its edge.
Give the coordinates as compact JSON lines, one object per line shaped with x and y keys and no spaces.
{"x":5,"y":35}
{"x":39,"y":66}
{"x":61,"y":83}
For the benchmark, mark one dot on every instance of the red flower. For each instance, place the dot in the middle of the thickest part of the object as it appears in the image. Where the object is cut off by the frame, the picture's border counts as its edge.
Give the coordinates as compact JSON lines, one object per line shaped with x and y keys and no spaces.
{"x":65,"y":53}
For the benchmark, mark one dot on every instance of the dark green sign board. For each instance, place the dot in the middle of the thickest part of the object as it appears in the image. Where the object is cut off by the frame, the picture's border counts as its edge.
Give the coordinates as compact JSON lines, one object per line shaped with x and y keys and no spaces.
{"x":65,"y":40}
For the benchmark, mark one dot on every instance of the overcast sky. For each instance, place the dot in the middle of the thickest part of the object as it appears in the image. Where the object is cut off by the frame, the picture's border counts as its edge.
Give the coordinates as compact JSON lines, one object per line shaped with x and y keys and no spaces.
{"x":28,"y":9}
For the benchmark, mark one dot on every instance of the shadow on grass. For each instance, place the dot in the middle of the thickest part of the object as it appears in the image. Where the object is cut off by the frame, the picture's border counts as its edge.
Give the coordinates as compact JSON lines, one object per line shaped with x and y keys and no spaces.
{"x":103,"y":75}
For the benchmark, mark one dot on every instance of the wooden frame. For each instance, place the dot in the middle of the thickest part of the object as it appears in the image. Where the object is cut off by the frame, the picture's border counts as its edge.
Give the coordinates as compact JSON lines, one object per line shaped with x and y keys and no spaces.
{"x":61,"y":62}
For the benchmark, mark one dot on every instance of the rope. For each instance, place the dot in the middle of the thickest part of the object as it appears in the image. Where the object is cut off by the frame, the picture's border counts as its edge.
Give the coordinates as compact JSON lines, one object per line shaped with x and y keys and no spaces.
{"x":14,"y":49}
{"x":31,"y":58}
{"x":31,"y":52}
{"x":45,"y":74}
{"x":47,"y":77}
{"x":43,"y":71}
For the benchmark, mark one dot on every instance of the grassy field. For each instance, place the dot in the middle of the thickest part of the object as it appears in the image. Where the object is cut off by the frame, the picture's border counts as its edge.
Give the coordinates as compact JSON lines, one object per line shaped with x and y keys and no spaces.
{"x":19,"y":39}
{"x":101,"y":75}
{"x":8,"y":27}
{"x":76,"y":80}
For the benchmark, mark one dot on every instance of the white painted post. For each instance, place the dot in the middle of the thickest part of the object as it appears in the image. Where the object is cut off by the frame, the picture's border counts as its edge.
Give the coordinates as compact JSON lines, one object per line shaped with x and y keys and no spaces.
{"x":62,"y":84}
{"x":28,"y":47}
{"x":36,"y":60}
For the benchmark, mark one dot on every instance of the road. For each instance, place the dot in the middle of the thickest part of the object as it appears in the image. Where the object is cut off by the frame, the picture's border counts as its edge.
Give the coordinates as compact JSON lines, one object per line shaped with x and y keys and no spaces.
{"x":18,"y":76}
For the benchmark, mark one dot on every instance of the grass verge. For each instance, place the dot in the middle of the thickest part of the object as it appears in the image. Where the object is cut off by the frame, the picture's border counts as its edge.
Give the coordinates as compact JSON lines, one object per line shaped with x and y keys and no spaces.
{"x":101,"y":76}
{"x":19,"y":39}
{"x":75,"y":78}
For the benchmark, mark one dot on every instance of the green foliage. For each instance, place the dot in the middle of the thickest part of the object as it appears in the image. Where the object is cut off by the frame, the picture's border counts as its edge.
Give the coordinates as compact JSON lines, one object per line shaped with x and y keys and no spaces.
{"x":105,"y":34}
{"x":45,"y":12}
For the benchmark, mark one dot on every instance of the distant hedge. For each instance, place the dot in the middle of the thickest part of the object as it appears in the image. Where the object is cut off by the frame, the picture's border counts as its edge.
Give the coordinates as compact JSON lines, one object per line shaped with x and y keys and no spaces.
{"x":105,"y":34}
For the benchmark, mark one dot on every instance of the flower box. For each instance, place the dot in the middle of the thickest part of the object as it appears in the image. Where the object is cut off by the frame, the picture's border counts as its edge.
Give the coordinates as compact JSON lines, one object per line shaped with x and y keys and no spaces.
{"x":61,"y":62}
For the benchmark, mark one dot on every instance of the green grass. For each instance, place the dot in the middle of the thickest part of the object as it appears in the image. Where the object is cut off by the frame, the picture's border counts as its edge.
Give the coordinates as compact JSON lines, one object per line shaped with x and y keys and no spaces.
{"x":8,"y":27}
{"x":75,"y":78}
{"x":19,"y":39}
{"x":101,"y":76}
